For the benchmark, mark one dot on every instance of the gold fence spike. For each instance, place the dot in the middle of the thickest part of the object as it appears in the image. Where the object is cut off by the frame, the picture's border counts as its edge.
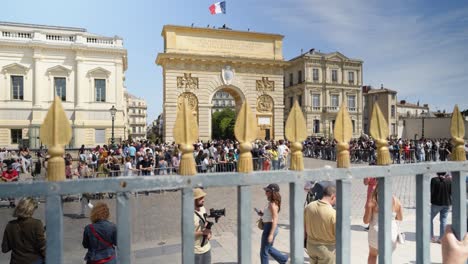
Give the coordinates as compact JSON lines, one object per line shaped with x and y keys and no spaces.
{"x":379,"y":131}
{"x":185,"y":134}
{"x":245,"y":132}
{"x":56,"y":132}
{"x":457,"y":130}
{"x":296,"y":133}
{"x":343,"y":134}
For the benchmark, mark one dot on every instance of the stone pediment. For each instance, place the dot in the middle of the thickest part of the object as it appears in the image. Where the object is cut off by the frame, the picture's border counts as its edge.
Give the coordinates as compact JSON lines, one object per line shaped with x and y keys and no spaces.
{"x":336,"y":56}
{"x":99,"y":72}
{"x":59,"y":69}
{"x":15,"y":68}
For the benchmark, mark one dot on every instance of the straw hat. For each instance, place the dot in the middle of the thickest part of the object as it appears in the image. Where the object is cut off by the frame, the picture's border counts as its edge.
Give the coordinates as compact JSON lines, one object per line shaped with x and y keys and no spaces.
{"x":198,"y":193}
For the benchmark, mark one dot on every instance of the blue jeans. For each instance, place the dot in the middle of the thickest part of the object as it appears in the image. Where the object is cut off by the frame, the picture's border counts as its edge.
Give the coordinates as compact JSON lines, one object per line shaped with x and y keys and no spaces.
{"x":268,"y":249}
{"x":443,"y":210}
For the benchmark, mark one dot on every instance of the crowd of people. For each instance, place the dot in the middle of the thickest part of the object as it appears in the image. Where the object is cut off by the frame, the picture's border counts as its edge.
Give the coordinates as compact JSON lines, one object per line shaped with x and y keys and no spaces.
{"x":401,"y":150}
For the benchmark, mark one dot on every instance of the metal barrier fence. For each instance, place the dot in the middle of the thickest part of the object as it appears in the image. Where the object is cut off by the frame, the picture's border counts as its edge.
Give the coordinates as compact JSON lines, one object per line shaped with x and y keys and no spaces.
{"x":369,"y":155}
{"x":122,"y":186}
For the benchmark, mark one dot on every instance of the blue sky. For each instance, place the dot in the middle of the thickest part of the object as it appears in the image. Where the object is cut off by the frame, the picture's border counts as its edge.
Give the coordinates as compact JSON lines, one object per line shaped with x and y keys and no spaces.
{"x":416,"y":47}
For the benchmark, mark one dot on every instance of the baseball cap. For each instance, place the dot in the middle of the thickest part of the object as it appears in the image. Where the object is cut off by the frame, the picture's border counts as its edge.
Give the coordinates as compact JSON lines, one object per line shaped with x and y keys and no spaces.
{"x":198,"y":193}
{"x":273,"y":187}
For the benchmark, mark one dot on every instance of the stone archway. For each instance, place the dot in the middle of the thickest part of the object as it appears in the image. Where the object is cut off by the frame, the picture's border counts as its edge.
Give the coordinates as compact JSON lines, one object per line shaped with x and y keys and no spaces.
{"x":236,"y":95}
{"x":198,"y":62}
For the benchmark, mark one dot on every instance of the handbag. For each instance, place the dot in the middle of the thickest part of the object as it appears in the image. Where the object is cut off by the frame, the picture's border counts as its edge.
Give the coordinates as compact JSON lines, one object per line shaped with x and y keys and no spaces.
{"x":260,"y":224}
{"x":401,"y":237}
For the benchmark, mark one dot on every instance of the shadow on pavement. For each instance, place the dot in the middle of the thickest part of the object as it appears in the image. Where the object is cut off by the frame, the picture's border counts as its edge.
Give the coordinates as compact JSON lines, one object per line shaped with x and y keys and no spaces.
{"x":358,"y":228}
{"x":75,"y":216}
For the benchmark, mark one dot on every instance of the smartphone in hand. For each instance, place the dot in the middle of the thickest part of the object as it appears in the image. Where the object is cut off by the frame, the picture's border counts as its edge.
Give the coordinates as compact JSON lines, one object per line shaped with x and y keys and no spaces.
{"x":259,"y":212}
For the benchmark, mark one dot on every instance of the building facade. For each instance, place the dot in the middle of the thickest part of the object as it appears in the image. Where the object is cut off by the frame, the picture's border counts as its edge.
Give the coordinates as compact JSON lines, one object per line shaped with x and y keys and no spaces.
{"x":222,"y":100}
{"x":387,"y":101}
{"x":137,"y":116}
{"x":412,"y":120}
{"x":85,"y":70}
{"x":320,"y":82}
{"x":406,"y":109}
{"x":199,"y":62}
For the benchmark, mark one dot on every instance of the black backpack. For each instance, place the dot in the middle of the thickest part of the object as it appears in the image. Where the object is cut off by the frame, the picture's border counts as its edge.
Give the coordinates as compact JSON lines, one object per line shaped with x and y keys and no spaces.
{"x":315,"y":193}
{"x":93,"y":157}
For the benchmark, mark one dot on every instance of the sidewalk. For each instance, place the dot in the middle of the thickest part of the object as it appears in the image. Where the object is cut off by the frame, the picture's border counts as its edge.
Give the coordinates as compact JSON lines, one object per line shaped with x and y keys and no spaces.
{"x":224,"y":246}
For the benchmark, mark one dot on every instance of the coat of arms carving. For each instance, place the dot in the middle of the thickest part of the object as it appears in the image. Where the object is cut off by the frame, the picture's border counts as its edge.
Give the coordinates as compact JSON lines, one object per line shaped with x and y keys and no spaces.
{"x":265,"y":85}
{"x":265,"y":104}
{"x":227,"y":74}
{"x":187,"y":81}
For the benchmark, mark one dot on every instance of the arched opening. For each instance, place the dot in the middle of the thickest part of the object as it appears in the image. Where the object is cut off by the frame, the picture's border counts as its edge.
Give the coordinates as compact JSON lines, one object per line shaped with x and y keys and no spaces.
{"x":225,"y":104}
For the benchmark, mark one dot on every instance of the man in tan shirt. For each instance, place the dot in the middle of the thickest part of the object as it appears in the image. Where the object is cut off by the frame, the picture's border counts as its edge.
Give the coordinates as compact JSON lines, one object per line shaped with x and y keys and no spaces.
{"x":319,"y":226}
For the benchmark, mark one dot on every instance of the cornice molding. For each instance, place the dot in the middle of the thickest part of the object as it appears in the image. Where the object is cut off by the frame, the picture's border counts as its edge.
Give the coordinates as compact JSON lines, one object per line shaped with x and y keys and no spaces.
{"x":164,"y":58}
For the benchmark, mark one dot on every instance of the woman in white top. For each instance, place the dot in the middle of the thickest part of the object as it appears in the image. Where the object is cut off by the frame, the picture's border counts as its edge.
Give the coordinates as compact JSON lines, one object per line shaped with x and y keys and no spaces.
{"x":270,"y":225}
{"x":371,"y":217}
{"x":128,"y":171}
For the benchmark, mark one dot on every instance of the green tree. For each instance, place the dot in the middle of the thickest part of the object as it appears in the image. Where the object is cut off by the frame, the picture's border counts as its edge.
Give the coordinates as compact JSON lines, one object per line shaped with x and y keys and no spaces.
{"x":223,"y":123}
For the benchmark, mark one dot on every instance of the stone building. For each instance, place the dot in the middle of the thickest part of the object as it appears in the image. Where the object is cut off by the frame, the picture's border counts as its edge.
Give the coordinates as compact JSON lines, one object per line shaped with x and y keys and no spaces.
{"x":387,"y":101}
{"x":222,"y":100}
{"x":320,"y":82}
{"x":137,"y":116}
{"x":199,"y":62}
{"x":406,"y":109}
{"x":85,"y":70}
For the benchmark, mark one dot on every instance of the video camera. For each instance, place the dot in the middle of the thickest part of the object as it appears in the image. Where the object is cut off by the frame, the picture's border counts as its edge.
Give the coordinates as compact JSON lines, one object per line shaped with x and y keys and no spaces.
{"x":216,"y":214}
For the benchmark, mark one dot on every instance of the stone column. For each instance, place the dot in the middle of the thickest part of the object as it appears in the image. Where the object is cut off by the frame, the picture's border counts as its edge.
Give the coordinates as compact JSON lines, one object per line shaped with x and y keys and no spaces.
{"x":119,"y":85}
{"x":78,"y":84}
{"x":37,"y":82}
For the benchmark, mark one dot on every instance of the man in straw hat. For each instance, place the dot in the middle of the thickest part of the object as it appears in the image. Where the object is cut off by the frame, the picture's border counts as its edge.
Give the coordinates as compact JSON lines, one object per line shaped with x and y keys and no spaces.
{"x":202,"y":252}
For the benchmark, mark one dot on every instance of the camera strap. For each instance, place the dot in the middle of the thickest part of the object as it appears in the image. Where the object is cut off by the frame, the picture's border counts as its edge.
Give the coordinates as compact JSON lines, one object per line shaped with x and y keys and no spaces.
{"x":201,"y":218}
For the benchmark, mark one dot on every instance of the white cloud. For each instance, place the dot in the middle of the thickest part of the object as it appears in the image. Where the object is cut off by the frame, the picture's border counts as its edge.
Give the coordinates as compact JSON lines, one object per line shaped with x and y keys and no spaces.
{"x":422,"y":56}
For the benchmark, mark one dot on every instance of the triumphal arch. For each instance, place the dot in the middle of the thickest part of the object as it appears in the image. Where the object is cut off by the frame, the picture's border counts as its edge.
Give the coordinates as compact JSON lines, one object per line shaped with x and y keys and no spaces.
{"x":198,"y":62}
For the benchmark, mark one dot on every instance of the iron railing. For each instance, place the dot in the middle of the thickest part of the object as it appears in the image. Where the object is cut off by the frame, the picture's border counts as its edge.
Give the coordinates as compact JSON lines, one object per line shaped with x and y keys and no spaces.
{"x":123,"y":186}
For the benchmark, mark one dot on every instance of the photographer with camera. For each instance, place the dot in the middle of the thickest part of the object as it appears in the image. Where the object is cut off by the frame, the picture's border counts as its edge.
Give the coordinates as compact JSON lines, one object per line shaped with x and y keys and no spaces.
{"x":202,"y":251}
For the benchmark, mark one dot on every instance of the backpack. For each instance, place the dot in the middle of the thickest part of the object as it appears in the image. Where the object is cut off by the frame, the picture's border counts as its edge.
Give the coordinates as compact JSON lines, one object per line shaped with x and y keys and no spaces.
{"x":93,"y":157}
{"x":315,"y":193}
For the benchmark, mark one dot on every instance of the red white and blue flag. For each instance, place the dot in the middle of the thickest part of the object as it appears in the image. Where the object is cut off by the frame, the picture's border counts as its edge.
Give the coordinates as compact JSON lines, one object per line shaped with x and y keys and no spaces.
{"x":218,"y":8}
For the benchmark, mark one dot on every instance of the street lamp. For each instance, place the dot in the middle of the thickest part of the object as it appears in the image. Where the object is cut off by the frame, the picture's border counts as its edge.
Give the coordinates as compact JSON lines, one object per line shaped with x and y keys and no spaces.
{"x":113,"y":111}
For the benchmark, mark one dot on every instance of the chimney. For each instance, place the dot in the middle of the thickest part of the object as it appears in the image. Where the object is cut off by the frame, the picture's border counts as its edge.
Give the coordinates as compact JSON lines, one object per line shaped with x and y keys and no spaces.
{"x":381,"y":86}
{"x":426,"y":105}
{"x":403,"y":102}
{"x":366,"y":88}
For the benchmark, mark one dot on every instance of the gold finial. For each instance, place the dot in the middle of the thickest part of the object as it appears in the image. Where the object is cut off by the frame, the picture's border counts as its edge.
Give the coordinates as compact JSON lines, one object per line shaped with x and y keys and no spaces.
{"x":56,"y":132}
{"x":185,"y":134}
{"x":343,"y":134}
{"x":296,"y":132}
{"x":379,"y":131}
{"x":245,"y":132}
{"x":457,"y":130}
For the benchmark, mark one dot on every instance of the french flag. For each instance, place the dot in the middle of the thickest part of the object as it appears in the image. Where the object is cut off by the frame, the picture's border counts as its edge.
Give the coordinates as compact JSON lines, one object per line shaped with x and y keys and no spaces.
{"x":218,"y":8}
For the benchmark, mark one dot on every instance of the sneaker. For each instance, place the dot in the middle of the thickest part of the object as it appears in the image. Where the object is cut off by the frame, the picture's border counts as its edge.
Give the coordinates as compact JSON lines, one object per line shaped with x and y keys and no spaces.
{"x":366,"y":228}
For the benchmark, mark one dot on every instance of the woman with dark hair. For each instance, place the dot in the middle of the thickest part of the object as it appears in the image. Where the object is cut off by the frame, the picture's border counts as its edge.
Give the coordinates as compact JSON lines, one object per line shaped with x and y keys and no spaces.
{"x":270,"y":225}
{"x":100,"y":237}
{"x":25,"y":235}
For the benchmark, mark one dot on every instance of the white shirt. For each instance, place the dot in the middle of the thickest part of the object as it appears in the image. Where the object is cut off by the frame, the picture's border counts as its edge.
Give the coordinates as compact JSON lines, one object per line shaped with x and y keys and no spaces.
{"x":128,"y":169}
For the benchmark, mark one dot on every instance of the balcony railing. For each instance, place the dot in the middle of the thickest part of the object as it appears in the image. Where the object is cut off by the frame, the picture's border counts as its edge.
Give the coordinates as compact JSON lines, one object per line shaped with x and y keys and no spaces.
{"x":16,"y":35}
{"x":61,"y":38}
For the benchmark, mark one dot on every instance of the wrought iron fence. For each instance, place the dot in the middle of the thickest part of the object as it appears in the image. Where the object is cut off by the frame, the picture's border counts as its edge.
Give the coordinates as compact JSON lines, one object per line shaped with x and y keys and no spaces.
{"x":295,"y":131}
{"x":122,"y":186}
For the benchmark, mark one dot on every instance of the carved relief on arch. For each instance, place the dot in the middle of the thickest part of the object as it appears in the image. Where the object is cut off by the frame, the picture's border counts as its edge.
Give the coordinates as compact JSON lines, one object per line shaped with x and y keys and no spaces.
{"x":265,"y":104}
{"x":192,"y":100}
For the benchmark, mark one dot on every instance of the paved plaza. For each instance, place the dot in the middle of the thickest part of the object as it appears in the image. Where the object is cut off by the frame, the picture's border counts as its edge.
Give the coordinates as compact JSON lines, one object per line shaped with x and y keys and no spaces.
{"x":156,"y":224}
